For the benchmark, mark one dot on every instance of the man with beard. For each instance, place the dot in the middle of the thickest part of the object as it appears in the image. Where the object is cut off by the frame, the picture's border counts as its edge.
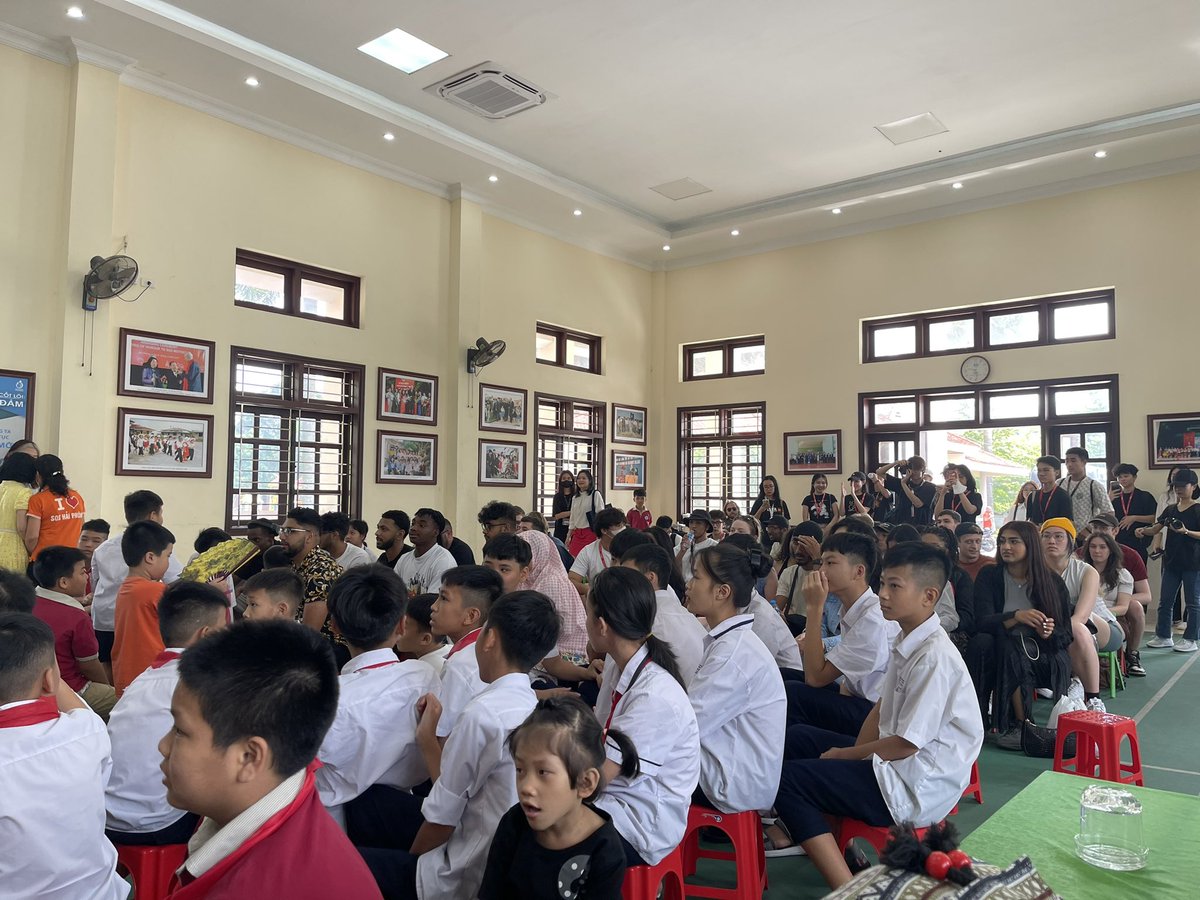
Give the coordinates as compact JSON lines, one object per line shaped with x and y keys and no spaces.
{"x":300,"y":536}
{"x":389,"y":536}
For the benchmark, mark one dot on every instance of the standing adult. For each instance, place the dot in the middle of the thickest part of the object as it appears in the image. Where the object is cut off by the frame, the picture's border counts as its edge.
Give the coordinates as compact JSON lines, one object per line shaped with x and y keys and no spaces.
{"x":560,"y":511}
{"x":958,"y":493}
{"x":585,"y":505}
{"x":913,"y":495}
{"x":699,"y":537}
{"x":1049,"y":501}
{"x":856,"y":499}
{"x":1088,"y":497}
{"x":1133,"y":507}
{"x":18,"y":474}
{"x":820,"y":506}
{"x":194,"y":375}
{"x":1181,"y":563}
{"x":56,"y":512}
{"x":768,"y":504}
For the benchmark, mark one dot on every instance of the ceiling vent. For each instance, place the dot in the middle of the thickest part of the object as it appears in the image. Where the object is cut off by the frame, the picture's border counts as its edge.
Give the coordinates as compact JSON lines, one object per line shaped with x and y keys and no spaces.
{"x":914,"y":128}
{"x":681,"y":189}
{"x":489,"y":91}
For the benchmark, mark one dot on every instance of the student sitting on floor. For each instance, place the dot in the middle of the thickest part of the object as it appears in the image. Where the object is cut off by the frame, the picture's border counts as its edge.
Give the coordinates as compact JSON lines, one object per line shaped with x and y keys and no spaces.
{"x":136,"y":800}
{"x":473,"y":776}
{"x":372,"y":745}
{"x":860,"y":659}
{"x":674,"y":625}
{"x":146,"y":548}
{"x":252,"y":705}
{"x":417,"y":640}
{"x":912,"y":759}
{"x":54,"y":760}
{"x":738,"y":692}
{"x":555,"y":830}
{"x":645,"y":699}
{"x":459,"y":615}
{"x":273,"y":594}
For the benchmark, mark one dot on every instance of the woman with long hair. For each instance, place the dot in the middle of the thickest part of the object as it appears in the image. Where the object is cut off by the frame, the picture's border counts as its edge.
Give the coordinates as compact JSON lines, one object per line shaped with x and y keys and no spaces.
{"x":56,"y":512}
{"x":585,"y":504}
{"x":561,"y":509}
{"x":958,"y":493}
{"x":731,"y":510}
{"x":1181,"y":563}
{"x":18,"y":474}
{"x":856,"y":497}
{"x":820,"y":506}
{"x":1103,"y":553}
{"x":767,"y":504}
{"x":1024,"y":629}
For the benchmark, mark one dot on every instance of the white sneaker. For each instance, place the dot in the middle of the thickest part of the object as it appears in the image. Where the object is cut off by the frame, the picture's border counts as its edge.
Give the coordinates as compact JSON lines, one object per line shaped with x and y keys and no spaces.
{"x":1185,"y":647}
{"x":1158,"y":643}
{"x":1045,"y":693}
{"x":1096,"y":705}
{"x":1075,"y":690}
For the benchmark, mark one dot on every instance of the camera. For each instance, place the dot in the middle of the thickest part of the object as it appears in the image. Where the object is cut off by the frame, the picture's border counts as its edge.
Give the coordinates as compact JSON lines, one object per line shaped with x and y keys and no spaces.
{"x":902,"y":471}
{"x":1176,"y":524}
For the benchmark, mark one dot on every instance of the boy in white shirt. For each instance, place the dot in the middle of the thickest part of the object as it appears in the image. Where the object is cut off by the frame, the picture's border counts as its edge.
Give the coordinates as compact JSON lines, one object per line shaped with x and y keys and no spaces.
{"x":673,"y":623}
{"x":423,"y":568}
{"x":459,"y":615}
{"x":417,"y":640}
{"x":474,"y":777}
{"x":370,"y":754}
{"x":54,"y":761}
{"x":136,"y":799}
{"x":700,"y":528}
{"x":273,"y":594}
{"x":912,"y":759}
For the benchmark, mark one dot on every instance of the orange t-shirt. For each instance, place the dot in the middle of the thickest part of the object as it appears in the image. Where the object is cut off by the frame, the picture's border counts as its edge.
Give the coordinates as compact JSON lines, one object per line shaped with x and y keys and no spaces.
{"x":136,"y":641}
{"x":62,"y":519}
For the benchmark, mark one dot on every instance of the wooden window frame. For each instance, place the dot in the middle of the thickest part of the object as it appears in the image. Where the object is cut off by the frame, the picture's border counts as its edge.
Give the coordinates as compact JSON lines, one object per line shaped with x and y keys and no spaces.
{"x":724,"y":435}
{"x":727,"y":348}
{"x":293,"y":274}
{"x":561,"y":336}
{"x":564,"y":428}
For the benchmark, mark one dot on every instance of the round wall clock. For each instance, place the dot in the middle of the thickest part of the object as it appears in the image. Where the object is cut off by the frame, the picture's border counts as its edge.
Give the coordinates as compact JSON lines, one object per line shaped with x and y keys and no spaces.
{"x":975,"y":369}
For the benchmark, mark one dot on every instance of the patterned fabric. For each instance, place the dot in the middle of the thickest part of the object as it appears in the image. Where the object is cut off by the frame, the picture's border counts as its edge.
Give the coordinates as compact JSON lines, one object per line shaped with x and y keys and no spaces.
{"x":547,"y":575}
{"x":1020,"y":881}
{"x":318,"y":571}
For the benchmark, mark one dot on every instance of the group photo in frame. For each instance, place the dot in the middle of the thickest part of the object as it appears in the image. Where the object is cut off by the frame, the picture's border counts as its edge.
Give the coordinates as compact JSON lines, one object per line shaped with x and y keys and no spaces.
{"x":628,"y":424}
{"x":812,"y":451}
{"x":16,"y":407}
{"x":169,"y":444}
{"x":501,"y":464}
{"x":628,"y":470}
{"x":407,"y":397}
{"x":165,"y":366}
{"x":1173,"y":439}
{"x":404,"y":458}
{"x":502,"y":408}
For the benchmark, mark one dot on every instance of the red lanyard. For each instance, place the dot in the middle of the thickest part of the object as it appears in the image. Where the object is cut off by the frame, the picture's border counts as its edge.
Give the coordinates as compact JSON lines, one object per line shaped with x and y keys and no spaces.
{"x":600,"y":550}
{"x":390,"y":662}
{"x":465,"y":641}
{"x":43,"y":709}
{"x":1046,"y":501}
{"x":163,"y":658}
{"x":617,"y":695}
{"x":813,"y":506}
{"x":1126,"y":504}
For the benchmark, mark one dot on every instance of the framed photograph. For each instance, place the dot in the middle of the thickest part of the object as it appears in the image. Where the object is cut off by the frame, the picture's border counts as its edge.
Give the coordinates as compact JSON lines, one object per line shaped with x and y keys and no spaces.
{"x":628,"y":424}
{"x":152,"y":442}
{"x":628,"y":470}
{"x":812,"y":451}
{"x":165,"y":366}
{"x":406,"y":458}
{"x":1174,"y":440}
{"x":16,"y":407}
{"x":502,"y":408}
{"x":407,"y":397}
{"x":501,"y":464}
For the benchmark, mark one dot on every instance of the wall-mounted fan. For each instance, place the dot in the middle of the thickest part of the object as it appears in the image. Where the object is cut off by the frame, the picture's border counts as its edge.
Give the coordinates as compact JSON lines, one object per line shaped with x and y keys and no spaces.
{"x":108,"y":278}
{"x":484,"y":353}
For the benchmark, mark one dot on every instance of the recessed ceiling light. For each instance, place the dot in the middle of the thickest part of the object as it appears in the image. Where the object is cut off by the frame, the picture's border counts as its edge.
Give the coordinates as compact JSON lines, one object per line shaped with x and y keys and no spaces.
{"x":837,"y":210}
{"x":74,"y":12}
{"x":957,"y":185}
{"x":577,"y":212}
{"x":388,"y":136}
{"x":251,"y":81}
{"x":734,"y":233}
{"x":493,"y":179}
{"x":402,"y":51}
{"x":1100,"y":154}
{"x":666,"y":248}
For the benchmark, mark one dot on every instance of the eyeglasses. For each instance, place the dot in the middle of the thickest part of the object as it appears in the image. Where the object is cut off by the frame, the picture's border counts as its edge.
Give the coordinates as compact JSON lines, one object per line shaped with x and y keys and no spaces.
{"x":489,"y":526}
{"x":293,"y":531}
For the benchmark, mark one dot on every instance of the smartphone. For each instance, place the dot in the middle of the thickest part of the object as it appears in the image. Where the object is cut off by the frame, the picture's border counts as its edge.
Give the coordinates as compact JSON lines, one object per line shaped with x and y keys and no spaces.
{"x":1156,"y":554}
{"x":1114,"y":486}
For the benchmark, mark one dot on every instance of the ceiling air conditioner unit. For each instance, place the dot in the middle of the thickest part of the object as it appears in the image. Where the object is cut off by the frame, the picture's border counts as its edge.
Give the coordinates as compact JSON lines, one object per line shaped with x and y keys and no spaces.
{"x":489,"y":91}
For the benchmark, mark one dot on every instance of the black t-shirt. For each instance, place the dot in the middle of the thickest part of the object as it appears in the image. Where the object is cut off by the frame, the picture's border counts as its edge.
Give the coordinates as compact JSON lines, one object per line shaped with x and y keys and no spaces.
{"x":391,"y":563}
{"x":820,"y":509}
{"x":954,"y":501}
{"x":869,"y":500}
{"x":519,"y":868}
{"x":1181,"y":553}
{"x":1137,"y":503}
{"x":463,"y":554}
{"x":905,"y":511}
{"x":1043,"y":505}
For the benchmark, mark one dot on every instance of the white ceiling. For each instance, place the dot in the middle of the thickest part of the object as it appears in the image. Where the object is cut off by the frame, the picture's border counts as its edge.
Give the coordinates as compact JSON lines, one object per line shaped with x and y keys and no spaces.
{"x":771,"y":104}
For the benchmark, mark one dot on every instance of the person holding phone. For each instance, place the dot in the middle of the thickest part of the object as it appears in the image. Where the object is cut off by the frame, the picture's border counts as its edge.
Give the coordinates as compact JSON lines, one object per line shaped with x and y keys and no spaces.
{"x":913,"y":494}
{"x":957,"y":493}
{"x":1181,"y":563}
{"x":1132,"y":506}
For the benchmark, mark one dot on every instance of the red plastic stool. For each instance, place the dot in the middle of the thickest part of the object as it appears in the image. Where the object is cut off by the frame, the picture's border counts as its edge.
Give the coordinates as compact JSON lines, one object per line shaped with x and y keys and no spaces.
{"x":974,"y":788}
{"x":1098,"y":747}
{"x":151,"y":867}
{"x":641,"y":882}
{"x":745,"y":830}
{"x":847,"y":830}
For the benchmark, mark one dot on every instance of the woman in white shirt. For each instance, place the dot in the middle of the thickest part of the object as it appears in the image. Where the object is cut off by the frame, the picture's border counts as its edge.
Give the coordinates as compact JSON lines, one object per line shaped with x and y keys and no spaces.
{"x":587,"y":500}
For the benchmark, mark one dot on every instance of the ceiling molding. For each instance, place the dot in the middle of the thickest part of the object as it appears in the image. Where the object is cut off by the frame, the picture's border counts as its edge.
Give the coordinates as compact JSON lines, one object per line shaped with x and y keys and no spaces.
{"x":94,"y":55}
{"x":33,"y":44}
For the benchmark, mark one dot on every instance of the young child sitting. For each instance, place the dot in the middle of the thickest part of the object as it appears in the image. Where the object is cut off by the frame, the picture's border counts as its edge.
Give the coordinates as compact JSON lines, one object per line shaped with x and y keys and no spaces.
{"x":459,"y":615}
{"x":738,"y":692}
{"x":372,"y":744}
{"x":674,"y":624}
{"x":417,"y":640}
{"x":61,"y":574}
{"x":273,"y":594}
{"x":54,"y":758}
{"x":138,"y":812}
{"x":912,"y":759}
{"x":146,"y":548}
{"x":473,"y":777}
{"x":555,"y":830}
{"x":250,"y":710}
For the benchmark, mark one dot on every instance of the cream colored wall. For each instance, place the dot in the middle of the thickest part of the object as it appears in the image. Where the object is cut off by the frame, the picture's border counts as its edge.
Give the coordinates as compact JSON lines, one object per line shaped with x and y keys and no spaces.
{"x":809,"y":301}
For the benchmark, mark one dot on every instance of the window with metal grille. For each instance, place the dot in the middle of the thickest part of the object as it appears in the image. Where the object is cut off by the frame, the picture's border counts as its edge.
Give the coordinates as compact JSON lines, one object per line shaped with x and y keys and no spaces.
{"x":296,"y":436}
{"x":721,"y":455}
{"x":569,"y":435}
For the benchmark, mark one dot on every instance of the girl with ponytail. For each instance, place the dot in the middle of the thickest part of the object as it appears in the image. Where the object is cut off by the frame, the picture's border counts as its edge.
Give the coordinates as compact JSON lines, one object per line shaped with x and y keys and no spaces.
{"x":769,"y":625}
{"x":737,"y":694}
{"x":56,"y":512}
{"x":642,"y":696}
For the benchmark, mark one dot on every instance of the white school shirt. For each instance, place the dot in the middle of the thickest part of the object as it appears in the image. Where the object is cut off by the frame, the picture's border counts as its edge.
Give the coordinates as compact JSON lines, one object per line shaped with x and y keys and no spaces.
{"x":109,"y":571}
{"x":650,"y":810}
{"x":478,"y":785}
{"x":460,"y":685}
{"x":52,"y":778}
{"x":687,"y":562}
{"x":679,"y":630}
{"x":774,"y":633}
{"x":928,"y":700}
{"x":945,"y":609}
{"x":741,"y":713}
{"x":592,"y":560}
{"x":136,"y":798}
{"x":373,"y":739}
{"x":436,"y":660}
{"x":355,"y":556}
{"x":863,"y":653}
{"x":423,"y":574}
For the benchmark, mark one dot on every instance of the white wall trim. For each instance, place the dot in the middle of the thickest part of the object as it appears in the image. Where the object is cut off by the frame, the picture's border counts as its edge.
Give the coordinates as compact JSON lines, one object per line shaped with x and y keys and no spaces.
{"x":33,"y":44}
{"x":94,"y":55}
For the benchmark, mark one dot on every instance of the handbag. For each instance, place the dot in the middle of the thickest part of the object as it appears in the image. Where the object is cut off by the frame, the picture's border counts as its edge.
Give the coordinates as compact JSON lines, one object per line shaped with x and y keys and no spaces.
{"x":1038,"y":741}
{"x":591,"y":514}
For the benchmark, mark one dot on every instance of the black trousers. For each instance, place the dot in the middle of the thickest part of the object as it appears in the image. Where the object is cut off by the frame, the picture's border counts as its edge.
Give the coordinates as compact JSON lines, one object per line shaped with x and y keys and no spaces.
{"x":382,"y":822}
{"x":825,"y":707}
{"x":178,"y":832}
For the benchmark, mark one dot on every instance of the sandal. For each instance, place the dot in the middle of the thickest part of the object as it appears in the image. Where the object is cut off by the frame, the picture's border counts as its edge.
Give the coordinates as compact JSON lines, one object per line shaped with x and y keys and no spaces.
{"x":774,"y":851}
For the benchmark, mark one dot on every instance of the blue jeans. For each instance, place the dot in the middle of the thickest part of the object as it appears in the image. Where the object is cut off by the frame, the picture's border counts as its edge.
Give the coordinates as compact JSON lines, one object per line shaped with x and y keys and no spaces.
{"x":1171,"y":581}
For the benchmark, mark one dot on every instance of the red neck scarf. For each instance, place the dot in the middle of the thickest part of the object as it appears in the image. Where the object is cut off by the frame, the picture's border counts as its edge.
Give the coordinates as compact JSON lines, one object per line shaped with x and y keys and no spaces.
{"x":163,"y":658}
{"x":465,"y":641}
{"x":43,"y":709}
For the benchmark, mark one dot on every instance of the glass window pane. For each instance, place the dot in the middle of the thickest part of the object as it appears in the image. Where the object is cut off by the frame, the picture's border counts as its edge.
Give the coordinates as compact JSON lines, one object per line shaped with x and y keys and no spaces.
{"x":898,"y":340}
{"x":268,"y":468}
{"x":1013,"y":406}
{"x":324,"y":300}
{"x":324,"y":387}
{"x":270,"y":427}
{"x":268,"y":506}
{"x":1067,"y":441}
{"x":952,"y":334}
{"x":745,"y":423}
{"x":703,"y":423}
{"x":579,"y":354}
{"x":259,"y":379}
{"x":547,"y":347}
{"x":750,"y":359}
{"x":1096,"y":444}
{"x":1013,"y":328}
{"x":243,"y":425}
{"x":899,"y":411}
{"x":1098,"y":471}
{"x":708,"y":362}
{"x":258,"y":287}
{"x":331,"y":431}
{"x":953,"y":409}
{"x":547,"y":415}
{"x":581,"y":417}
{"x":1080,"y":320}
{"x":1081,"y":402}
{"x":306,"y":431}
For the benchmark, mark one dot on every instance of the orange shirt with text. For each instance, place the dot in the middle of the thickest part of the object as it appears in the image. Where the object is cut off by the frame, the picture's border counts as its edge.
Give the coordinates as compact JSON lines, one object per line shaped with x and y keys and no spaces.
{"x":62,"y":519}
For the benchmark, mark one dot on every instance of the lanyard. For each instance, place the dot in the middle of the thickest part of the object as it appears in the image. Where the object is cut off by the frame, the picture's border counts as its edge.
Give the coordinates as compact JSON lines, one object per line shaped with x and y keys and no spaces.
{"x":1046,"y":502}
{"x":1126,"y":504}
{"x":617,"y":695}
{"x":732,"y":628}
{"x":390,"y":662}
{"x":813,"y":505}
{"x":600,"y":550}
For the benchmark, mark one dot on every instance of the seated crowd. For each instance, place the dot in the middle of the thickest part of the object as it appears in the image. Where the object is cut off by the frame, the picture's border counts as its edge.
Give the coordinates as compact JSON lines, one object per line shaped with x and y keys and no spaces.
{"x":327,"y":722}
